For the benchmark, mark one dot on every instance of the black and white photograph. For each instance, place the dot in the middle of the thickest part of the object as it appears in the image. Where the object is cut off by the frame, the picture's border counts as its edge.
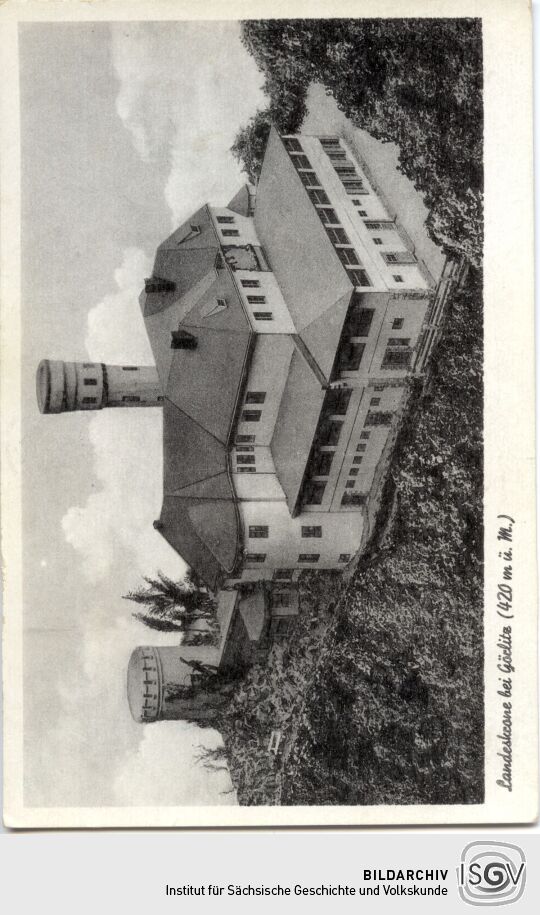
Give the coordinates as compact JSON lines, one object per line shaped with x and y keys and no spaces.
{"x":272,"y":566}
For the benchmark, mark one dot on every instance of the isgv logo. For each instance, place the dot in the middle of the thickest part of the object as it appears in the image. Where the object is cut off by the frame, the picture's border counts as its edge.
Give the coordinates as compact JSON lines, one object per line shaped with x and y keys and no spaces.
{"x":491,"y":873}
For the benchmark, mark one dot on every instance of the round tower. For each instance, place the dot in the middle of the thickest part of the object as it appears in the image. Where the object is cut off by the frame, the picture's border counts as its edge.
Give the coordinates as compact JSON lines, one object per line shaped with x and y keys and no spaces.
{"x":65,"y":386}
{"x":174,"y":683}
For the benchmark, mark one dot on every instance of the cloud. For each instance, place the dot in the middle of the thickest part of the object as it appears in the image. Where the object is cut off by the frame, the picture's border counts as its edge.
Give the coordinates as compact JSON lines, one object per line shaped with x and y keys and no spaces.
{"x":116,"y":519}
{"x":166,"y":750}
{"x":183,"y":94}
{"x":116,"y":330}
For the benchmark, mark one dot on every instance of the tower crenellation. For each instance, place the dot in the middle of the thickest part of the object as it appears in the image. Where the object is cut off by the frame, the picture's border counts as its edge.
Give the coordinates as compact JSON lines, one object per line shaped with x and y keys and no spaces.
{"x":63,"y":387}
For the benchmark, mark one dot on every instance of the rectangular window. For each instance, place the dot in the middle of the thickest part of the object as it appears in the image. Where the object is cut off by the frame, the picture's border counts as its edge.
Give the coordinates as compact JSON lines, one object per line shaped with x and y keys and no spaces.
{"x":318,"y":196}
{"x":359,"y":277}
{"x":375,"y":401}
{"x":311,"y":530}
{"x":244,"y":448}
{"x":350,"y":484}
{"x":352,"y":186}
{"x":321,"y":463}
{"x":347,"y":171}
{"x":398,"y":357}
{"x":364,"y":435}
{"x":292,"y":144}
{"x":379,"y":387}
{"x":131,"y":398}
{"x":251,"y":416}
{"x":327,"y":216}
{"x":281,"y":599}
{"x":329,"y":141}
{"x":337,"y":155}
{"x":314,"y":492}
{"x":329,"y":432}
{"x":399,"y":257}
{"x":230,"y":233}
{"x":397,"y":277}
{"x":301,"y":162}
{"x":90,"y":381}
{"x":361,"y":446}
{"x":399,"y":341}
{"x":379,"y":224}
{"x":245,"y":438}
{"x":255,"y":557}
{"x":309,"y":179}
{"x":338,"y":236}
{"x":348,"y":257}
{"x":337,"y":400}
{"x":359,"y":320}
{"x":224,"y":220}
{"x":263,"y":315}
{"x":344,"y":557}
{"x":357,"y":459}
{"x":353,"y":498}
{"x":245,"y":458}
{"x":378,"y":418}
{"x":397,"y":323}
{"x":250,"y":284}
{"x":361,"y":212}
{"x":350,"y":356}
{"x":282,"y":574}
{"x":255,"y":396}
{"x":353,"y":471}
{"x":245,"y":470}
{"x":89,"y":400}
{"x":258,"y":530}
{"x":309,"y":557}
{"x":256,"y":299}
{"x":377,"y":241}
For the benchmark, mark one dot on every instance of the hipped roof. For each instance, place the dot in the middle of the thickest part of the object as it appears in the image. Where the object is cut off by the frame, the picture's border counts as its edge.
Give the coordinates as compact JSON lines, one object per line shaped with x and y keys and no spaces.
{"x":201,"y":387}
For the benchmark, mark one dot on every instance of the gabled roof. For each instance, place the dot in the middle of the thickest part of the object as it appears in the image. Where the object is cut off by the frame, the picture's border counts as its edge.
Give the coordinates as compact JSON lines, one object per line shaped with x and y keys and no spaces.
{"x":241,"y":202}
{"x":201,"y":388}
{"x":311,"y":277}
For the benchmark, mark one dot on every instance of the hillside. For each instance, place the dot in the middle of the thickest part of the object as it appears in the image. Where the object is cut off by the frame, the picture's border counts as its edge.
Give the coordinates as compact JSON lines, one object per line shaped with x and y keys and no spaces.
{"x":379,"y":690}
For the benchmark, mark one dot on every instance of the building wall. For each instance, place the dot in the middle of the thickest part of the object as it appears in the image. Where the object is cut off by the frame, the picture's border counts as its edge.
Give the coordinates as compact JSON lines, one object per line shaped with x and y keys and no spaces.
{"x":377,"y":384}
{"x":285,"y":543}
{"x":393,"y":318}
{"x":274,"y":303}
{"x":349,"y":209}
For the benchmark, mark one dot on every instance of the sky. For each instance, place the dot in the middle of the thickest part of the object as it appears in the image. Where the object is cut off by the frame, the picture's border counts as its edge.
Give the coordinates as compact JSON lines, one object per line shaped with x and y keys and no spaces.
{"x":125,"y":131}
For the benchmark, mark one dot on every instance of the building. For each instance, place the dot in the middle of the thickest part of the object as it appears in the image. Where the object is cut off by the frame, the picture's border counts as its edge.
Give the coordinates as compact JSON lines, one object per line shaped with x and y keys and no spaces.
{"x":285,"y":330}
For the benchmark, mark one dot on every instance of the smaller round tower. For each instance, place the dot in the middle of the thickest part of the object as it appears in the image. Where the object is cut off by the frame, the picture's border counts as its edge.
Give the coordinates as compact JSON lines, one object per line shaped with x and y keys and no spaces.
{"x":174,"y":683}
{"x":66,"y":386}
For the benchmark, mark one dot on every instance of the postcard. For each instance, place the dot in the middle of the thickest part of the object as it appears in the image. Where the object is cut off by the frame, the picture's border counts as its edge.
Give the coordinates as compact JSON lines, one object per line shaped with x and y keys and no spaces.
{"x":268,"y":461}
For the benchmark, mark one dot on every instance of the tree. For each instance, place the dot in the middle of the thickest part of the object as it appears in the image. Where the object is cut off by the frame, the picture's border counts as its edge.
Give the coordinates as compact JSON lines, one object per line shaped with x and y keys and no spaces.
{"x":173,"y":606}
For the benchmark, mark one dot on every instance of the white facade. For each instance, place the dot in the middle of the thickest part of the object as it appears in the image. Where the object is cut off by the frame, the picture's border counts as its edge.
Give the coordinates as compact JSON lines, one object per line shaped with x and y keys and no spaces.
{"x":391,"y":315}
